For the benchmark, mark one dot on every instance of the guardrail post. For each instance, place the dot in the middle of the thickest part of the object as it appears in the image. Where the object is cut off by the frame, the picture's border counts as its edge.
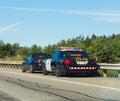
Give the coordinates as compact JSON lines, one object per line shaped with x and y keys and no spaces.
{"x":119,"y":74}
{"x":104,"y":73}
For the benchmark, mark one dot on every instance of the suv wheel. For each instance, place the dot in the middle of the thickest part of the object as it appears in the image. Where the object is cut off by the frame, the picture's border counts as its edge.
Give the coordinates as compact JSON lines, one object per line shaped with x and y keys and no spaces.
{"x":23,"y":68}
{"x":58,"y":72}
{"x":45,"y":71}
{"x":31,"y":69}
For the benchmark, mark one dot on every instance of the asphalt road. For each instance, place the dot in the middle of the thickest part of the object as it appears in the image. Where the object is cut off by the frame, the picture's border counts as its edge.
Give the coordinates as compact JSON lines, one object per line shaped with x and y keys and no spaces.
{"x":18,"y":86}
{"x":6,"y":97}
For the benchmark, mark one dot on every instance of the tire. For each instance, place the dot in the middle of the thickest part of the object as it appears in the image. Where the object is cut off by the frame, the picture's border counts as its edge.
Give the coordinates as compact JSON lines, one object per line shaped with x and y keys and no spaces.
{"x":31,"y":69}
{"x":58,"y":72}
{"x":44,"y":71}
{"x":23,"y":68}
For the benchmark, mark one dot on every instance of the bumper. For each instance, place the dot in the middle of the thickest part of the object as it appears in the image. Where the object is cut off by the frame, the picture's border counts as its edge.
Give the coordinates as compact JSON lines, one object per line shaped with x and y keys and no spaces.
{"x":37,"y":66}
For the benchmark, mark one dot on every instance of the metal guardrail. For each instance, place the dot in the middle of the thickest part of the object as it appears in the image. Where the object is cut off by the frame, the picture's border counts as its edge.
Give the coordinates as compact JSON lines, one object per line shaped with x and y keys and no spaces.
{"x":103,"y":66}
{"x":11,"y":64}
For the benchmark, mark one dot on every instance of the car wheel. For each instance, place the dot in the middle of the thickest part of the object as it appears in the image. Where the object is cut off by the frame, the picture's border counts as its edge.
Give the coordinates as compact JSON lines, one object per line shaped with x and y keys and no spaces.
{"x":45,"y":71}
{"x":58,"y":72}
{"x":23,"y":68}
{"x":31,"y":69}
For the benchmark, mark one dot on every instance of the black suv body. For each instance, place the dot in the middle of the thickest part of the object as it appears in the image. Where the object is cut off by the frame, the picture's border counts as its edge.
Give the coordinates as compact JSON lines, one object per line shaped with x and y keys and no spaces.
{"x":71,"y":61}
{"x":34,"y":61}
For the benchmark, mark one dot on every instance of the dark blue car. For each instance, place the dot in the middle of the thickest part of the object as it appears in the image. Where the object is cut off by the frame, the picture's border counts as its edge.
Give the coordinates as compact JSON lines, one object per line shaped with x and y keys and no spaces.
{"x":34,"y":62}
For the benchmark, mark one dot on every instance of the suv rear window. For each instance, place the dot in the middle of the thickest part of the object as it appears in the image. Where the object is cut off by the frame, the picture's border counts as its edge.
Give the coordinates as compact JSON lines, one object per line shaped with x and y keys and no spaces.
{"x":42,"y":56}
{"x":74,"y":54}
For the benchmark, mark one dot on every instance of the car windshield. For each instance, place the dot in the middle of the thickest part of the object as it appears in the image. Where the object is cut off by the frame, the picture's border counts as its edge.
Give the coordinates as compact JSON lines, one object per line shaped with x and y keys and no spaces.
{"x":74,"y":54}
{"x":41,"y":55}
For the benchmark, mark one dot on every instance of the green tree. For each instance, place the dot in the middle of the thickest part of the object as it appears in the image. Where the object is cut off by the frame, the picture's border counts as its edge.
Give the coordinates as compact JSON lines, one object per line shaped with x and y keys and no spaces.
{"x":35,"y":49}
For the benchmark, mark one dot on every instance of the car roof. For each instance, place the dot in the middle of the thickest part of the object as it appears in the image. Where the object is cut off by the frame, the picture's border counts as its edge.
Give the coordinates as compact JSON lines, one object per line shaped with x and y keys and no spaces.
{"x":38,"y":53}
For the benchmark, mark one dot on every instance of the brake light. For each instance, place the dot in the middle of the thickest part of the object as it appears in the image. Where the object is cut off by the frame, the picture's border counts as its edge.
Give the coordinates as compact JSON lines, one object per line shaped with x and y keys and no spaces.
{"x":94,"y":61}
{"x":67,"y":61}
{"x":37,"y":60}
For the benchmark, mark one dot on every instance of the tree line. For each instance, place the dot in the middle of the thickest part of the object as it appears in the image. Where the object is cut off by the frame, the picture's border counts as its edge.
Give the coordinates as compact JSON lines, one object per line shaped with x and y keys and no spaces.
{"x":106,"y":49}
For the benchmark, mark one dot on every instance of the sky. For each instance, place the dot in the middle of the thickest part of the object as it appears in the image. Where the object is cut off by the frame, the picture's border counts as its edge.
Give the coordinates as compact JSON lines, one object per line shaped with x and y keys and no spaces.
{"x":43,"y":22}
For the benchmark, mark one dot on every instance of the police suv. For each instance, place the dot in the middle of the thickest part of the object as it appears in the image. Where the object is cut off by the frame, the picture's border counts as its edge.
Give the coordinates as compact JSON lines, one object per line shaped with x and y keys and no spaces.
{"x":68,"y":60}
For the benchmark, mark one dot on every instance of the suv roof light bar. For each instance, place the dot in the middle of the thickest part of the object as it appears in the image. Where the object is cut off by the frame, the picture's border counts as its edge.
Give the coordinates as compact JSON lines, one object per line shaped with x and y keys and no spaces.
{"x":69,"y":48}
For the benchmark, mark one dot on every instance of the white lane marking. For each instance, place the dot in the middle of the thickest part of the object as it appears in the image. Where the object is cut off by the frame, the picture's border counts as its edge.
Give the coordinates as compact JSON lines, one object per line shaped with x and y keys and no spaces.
{"x":66,"y":81}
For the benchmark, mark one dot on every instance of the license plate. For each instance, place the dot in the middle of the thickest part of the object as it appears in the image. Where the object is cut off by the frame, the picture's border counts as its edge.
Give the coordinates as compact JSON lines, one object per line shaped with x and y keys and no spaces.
{"x":40,"y":64}
{"x":81,"y":62}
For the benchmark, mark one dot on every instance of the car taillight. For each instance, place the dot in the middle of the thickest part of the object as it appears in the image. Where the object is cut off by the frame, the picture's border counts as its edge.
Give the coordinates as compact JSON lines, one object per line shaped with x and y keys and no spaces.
{"x":37,"y":60}
{"x":67,"y":61}
{"x":94,"y":61}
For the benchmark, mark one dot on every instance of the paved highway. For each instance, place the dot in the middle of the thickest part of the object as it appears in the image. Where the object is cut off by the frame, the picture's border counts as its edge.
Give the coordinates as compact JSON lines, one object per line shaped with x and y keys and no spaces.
{"x":18,"y":86}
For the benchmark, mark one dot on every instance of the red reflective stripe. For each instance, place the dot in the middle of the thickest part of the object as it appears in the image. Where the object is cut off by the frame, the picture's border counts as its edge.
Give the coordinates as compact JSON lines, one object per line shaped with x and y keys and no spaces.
{"x":90,"y":68}
{"x":82,"y":68}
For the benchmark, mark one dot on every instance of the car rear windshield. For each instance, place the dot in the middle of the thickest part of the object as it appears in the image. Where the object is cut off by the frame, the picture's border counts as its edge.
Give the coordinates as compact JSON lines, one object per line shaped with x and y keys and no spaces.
{"x":42,"y":56}
{"x":74,"y":54}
